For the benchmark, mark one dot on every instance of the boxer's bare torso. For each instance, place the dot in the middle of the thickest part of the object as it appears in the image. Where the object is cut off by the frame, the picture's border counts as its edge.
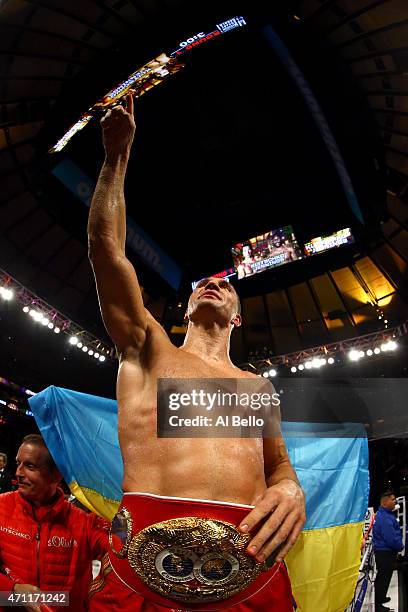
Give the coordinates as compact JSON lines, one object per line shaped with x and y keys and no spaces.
{"x":225,"y":469}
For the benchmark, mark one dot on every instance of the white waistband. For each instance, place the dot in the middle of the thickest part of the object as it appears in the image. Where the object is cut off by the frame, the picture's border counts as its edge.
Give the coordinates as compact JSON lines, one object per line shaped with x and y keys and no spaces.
{"x":189,"y":499}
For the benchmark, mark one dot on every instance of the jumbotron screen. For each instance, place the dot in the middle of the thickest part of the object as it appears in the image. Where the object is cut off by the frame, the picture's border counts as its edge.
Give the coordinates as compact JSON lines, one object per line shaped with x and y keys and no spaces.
{"x":324,"y":243}
{"x":275,"y":248}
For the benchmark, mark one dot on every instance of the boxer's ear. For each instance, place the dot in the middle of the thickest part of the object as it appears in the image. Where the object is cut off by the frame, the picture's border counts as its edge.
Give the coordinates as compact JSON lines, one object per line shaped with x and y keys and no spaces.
{"x":236,"y":321}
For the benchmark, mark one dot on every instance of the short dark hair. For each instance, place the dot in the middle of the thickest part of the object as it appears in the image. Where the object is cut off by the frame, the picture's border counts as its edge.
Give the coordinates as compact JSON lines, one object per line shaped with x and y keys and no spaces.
{"x":38,"y":440}
{"x":386,"y":494}
{"x":4,"y":456}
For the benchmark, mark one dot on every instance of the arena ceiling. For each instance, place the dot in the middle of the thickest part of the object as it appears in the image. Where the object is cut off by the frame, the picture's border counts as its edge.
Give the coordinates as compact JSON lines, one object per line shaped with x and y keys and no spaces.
{"x":223,"y":152}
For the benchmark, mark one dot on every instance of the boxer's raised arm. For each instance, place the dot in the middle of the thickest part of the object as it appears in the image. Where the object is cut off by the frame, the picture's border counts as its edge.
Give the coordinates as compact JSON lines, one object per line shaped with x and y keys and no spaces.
{"x":119,"y":293}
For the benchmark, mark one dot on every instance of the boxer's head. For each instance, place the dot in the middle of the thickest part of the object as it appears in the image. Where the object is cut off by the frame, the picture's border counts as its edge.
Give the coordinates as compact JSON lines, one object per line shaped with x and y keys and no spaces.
{"x":214,"y":299}
{"x":276,"y":241}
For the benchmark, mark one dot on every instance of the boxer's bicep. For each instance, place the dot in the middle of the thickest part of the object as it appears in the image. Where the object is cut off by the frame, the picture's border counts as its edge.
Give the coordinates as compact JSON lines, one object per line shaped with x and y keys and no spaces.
{"x":120,"y":299}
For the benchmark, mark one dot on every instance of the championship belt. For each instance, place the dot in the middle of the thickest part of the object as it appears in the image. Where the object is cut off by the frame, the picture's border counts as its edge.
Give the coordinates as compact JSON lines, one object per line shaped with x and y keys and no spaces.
{"x":190,"y":559}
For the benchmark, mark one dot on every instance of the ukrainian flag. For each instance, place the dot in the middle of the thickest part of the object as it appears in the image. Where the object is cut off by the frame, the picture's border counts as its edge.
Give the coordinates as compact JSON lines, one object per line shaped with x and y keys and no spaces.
{"x":331,"y":462}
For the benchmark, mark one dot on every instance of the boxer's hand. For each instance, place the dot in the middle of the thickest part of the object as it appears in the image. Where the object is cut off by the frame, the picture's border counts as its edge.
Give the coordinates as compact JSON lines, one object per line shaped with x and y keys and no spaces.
{"x":283,"y":506}
{"x":27,"y":589}
{"x":118,"y":128}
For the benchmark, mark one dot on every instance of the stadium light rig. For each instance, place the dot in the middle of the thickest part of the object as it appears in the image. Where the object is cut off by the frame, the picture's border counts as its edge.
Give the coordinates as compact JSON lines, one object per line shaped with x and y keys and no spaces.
{"x":47,"y":317}
{"x":352,"y":350}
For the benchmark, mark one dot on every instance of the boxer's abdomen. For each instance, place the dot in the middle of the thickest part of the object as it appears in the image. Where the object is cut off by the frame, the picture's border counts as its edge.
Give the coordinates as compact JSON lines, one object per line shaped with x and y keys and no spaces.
{"x":217,"y":469}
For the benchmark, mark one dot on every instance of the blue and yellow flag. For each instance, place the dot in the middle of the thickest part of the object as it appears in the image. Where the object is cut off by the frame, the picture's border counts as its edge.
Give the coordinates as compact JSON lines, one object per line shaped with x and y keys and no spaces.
{"x":332,"y":465}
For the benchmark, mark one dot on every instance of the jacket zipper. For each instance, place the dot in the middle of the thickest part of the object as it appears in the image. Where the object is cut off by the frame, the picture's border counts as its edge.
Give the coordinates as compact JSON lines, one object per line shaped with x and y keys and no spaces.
{"x":37,"y":537}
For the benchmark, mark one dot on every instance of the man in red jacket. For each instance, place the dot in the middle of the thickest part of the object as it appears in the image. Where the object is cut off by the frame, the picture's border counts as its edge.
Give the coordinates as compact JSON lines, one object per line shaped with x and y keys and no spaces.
{"x":46,"y":543}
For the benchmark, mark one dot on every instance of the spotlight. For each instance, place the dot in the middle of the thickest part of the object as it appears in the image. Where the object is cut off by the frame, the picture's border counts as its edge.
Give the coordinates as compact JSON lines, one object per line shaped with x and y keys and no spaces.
{"x":85,"y":349}
{"x":44,"y":321}
{"x":90,"y":352}
{"x":316,"y":362}
{"x":79,"y":344}
{"x":73,"y":340}
{"x":32,"y":313}
{"x":102,"y":358}
{"x":301,"y":366}
{"x":389,"y":346}
{"x":369,"y":352}
{"x":96,"y":355}
{"x":330,"y":360}
{"x":265,"y":374}
{"x":293,"y":369}
{"x":377,"y":350}
{"x":26,"y":309}
{"x":385,"y":321}
{"x":6,"y":294}
{"x":308,"y":365}
{"x":272,"y":372}
{"x":50,"y":325}
{"x":354,"y":355}
{"x":323,"y":361}
{"x":56,"y":330}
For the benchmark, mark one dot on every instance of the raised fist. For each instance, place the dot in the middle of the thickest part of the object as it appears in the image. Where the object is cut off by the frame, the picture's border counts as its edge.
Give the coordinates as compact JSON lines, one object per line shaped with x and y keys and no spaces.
{"x":118,"y":129}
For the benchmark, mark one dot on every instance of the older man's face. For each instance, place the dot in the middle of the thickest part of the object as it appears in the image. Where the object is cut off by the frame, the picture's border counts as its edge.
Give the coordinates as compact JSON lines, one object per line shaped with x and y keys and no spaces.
{"x":36,"y":481}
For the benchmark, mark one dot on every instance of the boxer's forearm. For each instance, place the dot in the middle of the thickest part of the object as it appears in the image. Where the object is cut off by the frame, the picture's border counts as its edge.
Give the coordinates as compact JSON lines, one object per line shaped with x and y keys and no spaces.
{"x":282,"y":470}
{"x":107,"y":217}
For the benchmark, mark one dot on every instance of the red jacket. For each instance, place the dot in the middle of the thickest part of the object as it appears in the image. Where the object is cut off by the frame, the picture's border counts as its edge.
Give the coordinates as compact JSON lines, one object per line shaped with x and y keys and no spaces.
{"x":52,"y":548}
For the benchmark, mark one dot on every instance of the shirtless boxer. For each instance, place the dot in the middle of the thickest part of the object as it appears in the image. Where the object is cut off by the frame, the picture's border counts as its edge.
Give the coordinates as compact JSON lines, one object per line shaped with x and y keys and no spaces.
{"x":277,"y":247}
{"x":248,"y":483}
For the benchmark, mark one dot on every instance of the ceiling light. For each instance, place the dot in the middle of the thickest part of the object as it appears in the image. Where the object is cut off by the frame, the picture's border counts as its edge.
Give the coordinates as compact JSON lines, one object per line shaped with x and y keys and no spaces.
{"x":6,"y":294}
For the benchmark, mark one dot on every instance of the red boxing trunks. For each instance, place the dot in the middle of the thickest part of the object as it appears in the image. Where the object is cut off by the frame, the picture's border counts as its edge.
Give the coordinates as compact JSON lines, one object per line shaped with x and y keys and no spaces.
{"x":188,"y":554}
